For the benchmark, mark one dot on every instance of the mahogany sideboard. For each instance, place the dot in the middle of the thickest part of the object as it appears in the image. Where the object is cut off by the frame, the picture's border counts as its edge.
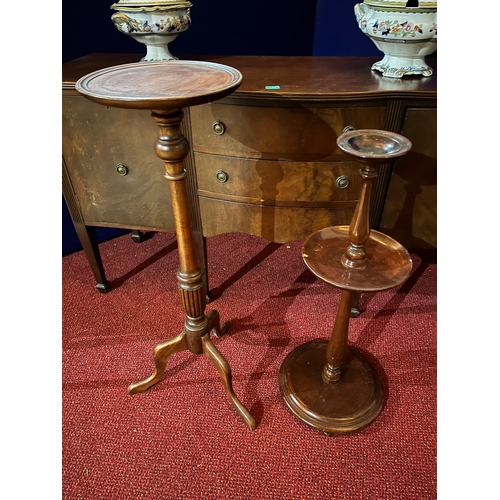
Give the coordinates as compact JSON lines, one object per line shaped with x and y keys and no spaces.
{"x":264,"y":160}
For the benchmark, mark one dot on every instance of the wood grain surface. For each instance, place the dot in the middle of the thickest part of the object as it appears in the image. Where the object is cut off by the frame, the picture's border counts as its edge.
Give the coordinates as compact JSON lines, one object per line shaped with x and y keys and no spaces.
{"x":160,"y":85}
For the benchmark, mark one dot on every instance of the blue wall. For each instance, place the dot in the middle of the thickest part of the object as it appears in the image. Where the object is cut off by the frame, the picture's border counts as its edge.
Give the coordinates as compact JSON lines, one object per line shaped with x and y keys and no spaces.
{"x":336,"y":32}
{"x":220,"y":27}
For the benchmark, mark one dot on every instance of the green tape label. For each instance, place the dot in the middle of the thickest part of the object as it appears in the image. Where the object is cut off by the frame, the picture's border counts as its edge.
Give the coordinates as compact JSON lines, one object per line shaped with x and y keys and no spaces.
{"x":272,"y":87}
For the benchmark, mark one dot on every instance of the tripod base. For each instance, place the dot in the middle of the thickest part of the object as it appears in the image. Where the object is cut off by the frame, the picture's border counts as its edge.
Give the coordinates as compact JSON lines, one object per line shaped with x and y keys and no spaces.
{"x":339,"y":408}
{"x":166,"y":349}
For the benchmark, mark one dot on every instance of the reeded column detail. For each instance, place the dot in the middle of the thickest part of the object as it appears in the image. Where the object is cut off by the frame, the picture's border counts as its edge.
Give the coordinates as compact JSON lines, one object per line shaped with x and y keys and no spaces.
{"x":193,"y":293}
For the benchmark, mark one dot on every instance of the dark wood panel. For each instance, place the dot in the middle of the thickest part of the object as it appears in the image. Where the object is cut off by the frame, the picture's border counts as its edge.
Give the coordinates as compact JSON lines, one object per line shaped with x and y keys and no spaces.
{"x":95,"y":140}
{"x":410,"y":211}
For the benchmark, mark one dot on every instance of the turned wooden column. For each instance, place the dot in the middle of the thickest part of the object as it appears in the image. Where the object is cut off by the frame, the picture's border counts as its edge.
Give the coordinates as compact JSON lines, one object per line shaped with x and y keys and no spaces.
{"x":172,"y":147}
{"x":359,"y":230}
{"x":328,"y":384}
{"x":337,"y":344}
{"x":354,"y":257}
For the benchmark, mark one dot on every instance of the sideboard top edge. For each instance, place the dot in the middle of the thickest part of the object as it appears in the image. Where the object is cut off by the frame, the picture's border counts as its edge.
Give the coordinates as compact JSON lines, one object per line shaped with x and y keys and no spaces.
{"x":313,"y":78}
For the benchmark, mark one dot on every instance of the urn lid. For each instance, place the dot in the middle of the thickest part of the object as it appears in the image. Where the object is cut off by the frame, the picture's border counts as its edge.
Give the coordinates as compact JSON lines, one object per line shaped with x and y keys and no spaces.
{"x":413,"y":4}
{"x":154,"y":3}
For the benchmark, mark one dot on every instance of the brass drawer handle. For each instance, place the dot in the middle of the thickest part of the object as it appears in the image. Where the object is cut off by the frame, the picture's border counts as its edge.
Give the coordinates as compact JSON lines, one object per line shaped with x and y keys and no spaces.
{"x":222,"y":176}
{"x":219,"y":128}
{"x":348,"y":128}
{"x":342,"y":182}
{"x":121,"y":169}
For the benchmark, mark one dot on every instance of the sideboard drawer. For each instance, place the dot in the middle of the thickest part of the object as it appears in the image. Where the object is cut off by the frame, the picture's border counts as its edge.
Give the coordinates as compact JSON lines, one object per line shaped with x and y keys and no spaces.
{"x":273,"y":182}
{"x":287,"y":133}
{"x":274,"y":223}
{"x":114,"y":171}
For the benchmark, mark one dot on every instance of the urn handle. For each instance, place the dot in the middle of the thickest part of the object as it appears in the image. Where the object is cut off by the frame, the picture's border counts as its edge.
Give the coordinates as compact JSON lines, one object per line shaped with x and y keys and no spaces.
{"x":359,"y":12}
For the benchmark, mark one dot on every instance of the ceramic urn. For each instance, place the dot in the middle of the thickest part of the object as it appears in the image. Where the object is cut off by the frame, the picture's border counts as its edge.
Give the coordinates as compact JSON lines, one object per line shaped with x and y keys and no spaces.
{"x":155,"y":24}
{"x":404,"y":30}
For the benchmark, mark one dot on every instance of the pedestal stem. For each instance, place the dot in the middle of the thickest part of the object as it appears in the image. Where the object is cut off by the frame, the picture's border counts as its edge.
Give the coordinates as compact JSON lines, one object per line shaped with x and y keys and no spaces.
{"x":359,"y":230}
{"x":172,"y":147}
{"x":337,"y":344}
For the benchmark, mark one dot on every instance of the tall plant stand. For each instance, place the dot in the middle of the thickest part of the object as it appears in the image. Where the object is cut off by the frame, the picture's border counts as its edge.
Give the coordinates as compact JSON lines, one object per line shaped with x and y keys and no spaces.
{"x":166,"y":88}
{"x":327,"y":384}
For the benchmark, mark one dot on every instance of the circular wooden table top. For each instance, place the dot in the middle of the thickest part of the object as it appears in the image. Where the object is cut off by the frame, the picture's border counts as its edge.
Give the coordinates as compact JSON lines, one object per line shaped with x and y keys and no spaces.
{"x":160,"y":84}
{"x":388,"y":264}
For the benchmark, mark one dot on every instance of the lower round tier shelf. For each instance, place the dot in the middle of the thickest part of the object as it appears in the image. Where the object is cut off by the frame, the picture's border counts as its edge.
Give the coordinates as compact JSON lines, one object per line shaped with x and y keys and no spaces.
{"x":388,"y":263}
{"x":346,"y":406}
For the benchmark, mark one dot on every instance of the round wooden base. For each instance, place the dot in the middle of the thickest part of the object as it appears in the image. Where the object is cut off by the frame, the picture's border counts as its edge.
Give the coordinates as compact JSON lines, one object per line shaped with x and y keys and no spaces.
{"x":339,"y":408}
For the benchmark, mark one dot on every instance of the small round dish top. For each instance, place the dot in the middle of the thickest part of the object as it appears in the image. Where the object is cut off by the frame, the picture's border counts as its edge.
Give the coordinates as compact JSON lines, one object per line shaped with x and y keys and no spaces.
{"x":160,"y":84}
{"x":373,"y":144}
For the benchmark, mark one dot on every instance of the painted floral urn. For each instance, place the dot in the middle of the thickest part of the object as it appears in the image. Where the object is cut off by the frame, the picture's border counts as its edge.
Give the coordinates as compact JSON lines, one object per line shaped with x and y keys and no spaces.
{"x":155,"y":24}
{"x":404,"y":30}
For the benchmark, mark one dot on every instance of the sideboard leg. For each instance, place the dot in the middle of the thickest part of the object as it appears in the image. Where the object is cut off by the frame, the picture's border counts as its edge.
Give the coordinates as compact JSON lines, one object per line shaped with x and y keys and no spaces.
{"x":355,"y":311}
{"x":86,"y":234}
{"x":137,"y":236}
{"x":88,"y":239}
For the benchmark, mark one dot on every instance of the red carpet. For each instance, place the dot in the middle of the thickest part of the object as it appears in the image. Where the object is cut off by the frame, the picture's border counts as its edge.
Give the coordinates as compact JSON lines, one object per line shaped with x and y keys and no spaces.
{"x":182,"y":439}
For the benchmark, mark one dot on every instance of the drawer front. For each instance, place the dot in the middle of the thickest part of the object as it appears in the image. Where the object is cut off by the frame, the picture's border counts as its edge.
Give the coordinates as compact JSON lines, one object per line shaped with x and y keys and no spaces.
{"x":278,"y":224}
{"x":280,"y":183}
{"x":293,"y":133}
{"x":96,"y":140}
